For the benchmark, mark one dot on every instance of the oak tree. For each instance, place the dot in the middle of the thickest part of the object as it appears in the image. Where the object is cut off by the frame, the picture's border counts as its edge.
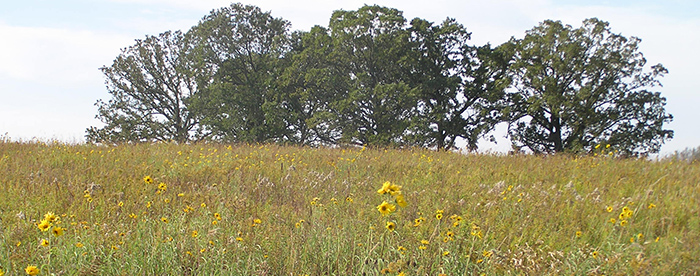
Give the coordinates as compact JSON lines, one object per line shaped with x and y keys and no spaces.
{"x":575,"y":88}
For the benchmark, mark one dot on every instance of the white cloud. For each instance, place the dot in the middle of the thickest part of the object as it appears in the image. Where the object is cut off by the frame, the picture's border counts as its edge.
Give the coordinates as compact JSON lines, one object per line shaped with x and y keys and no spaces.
{"x":56,"y":56}
{"x":50,"y":63}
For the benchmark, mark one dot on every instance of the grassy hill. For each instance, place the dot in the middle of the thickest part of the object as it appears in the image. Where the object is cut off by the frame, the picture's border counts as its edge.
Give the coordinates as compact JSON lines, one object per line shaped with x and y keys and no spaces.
{"x":212,"y":209}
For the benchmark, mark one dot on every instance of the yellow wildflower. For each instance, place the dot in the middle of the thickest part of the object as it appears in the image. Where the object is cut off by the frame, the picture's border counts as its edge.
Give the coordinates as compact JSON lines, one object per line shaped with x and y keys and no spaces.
{"x":148,"y":179}
{"x":50,"y":217}
{"x":622,"y":216}
{"x":31,"y":270}
{"x":44,"y":225}
{"x":58,"y":231}
{"x":386,"y":208}
{"x":44,"y":242}
{"x":401,"y":201}
{"x":390,"y":226}
{"x":385,"y":188}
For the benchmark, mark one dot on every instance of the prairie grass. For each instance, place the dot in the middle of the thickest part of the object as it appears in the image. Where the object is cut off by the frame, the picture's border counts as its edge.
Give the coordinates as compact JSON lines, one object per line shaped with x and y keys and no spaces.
{"x":213,"y":209}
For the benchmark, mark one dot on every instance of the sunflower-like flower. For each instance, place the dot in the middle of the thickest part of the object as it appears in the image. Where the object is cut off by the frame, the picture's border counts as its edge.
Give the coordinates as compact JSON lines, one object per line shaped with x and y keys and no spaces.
{"x":31,"y":270}
{"x":147,"y":179}
{"x":401,"y":201}
{"x":386,"y":208}
{"x":390,"y":226}
{"x":392,"y":189}
{"x":50,"y":217}
{"x":44,"y":225}
{"x":385,"y":188}
{"x":58,"y":231}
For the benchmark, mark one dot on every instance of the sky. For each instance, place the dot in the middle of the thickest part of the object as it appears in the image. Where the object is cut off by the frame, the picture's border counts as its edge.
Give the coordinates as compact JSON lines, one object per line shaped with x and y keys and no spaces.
{"x":51,"y":50}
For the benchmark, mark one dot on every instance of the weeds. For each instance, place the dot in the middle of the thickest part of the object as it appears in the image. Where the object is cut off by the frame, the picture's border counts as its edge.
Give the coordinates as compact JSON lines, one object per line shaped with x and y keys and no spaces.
{"x":211,"y":209}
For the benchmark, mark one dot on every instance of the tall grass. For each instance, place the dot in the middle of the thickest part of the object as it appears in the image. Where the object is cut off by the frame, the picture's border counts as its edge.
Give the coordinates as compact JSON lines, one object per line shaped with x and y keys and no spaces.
{"x":215,"y":209}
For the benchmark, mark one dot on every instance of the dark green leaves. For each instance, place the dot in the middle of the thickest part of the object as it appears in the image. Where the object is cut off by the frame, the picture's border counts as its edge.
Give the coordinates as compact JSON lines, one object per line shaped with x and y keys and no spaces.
{"x":372,"y":78}
{"x":577,"y":88}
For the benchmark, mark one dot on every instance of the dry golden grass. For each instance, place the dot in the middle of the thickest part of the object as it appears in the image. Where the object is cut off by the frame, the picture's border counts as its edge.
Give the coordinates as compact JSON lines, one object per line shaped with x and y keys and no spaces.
{"x":212,"y":209}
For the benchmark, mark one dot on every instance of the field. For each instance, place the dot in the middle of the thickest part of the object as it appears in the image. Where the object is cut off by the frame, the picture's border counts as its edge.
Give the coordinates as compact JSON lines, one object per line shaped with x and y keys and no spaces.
{"x":213,"y":209}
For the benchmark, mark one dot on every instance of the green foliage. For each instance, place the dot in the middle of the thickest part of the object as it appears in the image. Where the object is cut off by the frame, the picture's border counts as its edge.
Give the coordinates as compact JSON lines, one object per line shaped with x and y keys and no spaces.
{"x":371,"y":48}
{"x":460,"y":85}
{"x":311,"y":86}
{"x":243,"y":45}
{"x":577,"y":88}
{"x":214,"y":209}
{"x":150,"y":84}
{"x":372,"y":79}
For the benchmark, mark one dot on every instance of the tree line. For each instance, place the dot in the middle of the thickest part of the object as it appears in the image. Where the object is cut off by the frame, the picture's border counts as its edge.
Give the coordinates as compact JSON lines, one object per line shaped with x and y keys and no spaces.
{"x":373,"y":78}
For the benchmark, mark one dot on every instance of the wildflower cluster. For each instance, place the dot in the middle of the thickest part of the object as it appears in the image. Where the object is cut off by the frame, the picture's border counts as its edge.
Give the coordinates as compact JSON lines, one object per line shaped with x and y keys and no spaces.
{"x":386,"y":208}
{"x":603,"y":150}
{"x":624,"y":216}
{"x":395,"y":191}
{"x":49,"y":220}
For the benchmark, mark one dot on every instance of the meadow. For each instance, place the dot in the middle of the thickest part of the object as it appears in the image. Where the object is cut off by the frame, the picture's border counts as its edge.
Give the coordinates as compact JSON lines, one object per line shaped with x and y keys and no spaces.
{"x":214,"y":209}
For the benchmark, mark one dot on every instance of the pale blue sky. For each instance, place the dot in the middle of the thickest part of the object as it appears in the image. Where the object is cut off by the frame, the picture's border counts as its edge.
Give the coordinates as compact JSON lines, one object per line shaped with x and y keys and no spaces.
{"x":50,"y":51}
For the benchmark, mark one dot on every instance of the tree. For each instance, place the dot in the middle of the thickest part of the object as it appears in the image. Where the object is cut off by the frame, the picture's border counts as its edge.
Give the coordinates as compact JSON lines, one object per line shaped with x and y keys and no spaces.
{"x":577,"y":88}
{"x":150,"y":84}
{"x":370,"y":50}
{"x":459,"y":84}
{"x":309,"y":84}
{"x":243,"y":46}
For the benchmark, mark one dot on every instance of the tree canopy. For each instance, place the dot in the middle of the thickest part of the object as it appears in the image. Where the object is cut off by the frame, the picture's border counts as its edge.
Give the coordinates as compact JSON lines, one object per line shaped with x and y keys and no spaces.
{"x":578,"y":88}
{"x":150,"y":84}
{"x":372,"y":77}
